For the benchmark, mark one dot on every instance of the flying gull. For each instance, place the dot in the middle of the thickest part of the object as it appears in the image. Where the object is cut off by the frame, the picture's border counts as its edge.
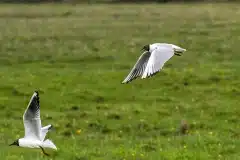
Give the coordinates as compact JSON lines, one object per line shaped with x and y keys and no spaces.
{"x":152,"y":60}
{"x":34,"y":132}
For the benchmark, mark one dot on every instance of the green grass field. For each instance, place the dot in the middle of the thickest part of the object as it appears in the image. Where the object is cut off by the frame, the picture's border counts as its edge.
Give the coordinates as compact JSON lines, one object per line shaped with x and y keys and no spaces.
{"x":77,"y":57}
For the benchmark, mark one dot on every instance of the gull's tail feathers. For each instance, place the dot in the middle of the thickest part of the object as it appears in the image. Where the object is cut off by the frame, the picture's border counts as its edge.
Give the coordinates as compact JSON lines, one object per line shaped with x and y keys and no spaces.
{"x":178,"y":49}
{"x":49,"y":144}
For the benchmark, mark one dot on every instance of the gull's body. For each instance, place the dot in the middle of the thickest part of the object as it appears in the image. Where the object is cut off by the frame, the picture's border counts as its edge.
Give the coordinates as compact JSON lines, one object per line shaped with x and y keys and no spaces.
{"x":152,"y":60}
{"x":34,"y":132}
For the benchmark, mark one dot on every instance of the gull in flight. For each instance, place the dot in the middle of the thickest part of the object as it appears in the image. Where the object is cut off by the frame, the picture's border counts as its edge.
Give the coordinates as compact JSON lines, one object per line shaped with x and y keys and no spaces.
{"x":152,"y":60}
{"x":34,"y":132}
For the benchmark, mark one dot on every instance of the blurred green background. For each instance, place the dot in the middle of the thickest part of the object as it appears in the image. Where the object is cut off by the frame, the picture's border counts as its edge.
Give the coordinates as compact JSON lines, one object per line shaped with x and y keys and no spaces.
{"x":78,"y":55}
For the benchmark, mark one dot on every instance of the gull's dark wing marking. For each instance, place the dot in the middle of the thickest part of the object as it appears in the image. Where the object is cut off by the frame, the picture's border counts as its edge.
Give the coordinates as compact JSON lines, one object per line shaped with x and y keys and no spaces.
{"x":138,"y":68}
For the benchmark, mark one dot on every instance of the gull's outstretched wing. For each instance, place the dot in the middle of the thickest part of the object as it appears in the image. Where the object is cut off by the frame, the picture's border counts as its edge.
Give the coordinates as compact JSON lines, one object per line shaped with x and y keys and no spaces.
{"x":138,"y":68}
{"x":158,"y":58}
{"x":31,"y":118}
{"x":44,"y":131}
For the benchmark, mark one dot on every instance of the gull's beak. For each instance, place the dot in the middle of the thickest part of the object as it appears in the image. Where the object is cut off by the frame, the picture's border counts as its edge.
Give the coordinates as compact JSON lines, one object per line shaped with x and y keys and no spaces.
{"x":11,"y":144}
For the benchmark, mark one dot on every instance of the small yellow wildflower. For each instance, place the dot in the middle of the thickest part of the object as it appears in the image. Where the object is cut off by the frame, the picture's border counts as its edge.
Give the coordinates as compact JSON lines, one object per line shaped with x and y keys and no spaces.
{"x":79,"y":131}
{"x":210,"y":133}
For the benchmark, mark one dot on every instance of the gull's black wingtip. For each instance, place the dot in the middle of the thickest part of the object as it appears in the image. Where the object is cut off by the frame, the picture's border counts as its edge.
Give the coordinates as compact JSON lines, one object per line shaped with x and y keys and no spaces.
{"x":125,"y":82}
{"x":51,"y":127}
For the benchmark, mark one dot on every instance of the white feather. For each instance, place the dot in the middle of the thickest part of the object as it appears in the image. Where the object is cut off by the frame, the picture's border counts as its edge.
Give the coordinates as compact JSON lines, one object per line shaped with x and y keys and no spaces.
{"x":31,"y":119}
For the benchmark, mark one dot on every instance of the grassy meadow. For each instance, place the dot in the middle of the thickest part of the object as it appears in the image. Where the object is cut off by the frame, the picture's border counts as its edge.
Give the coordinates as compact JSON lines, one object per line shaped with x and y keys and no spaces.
{"x":77,"y":57}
